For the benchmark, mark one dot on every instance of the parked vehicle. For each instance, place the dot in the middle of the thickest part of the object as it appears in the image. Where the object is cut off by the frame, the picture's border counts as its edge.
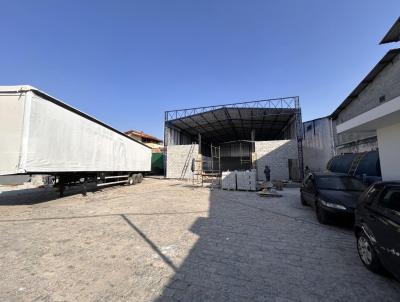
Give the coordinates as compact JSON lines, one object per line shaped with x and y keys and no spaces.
{"x":377,"y":227}
{"x":365,"y":165}
{"x":331,"y":194}
{"x":42,"y":135}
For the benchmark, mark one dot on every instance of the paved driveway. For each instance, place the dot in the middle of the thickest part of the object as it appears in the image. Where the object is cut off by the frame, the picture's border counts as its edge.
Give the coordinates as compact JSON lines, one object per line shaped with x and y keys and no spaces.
{"x":163,"y":241}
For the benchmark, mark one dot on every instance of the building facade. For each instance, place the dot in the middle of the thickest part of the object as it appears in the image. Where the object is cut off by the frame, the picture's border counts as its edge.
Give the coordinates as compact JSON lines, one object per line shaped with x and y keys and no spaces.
{"x":153,"y":142}
{"x":240,"y":136}
{"x":381,"y":85}
{"x":370,"y":117}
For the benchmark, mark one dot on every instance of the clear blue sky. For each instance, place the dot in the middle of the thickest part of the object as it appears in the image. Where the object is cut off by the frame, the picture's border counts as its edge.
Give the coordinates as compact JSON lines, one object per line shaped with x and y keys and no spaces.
{"x":126,"y":62}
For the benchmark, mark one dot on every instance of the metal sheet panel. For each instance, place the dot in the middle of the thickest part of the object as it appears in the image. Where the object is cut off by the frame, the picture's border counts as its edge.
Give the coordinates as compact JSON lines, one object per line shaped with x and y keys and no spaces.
{"x":318,"y":144}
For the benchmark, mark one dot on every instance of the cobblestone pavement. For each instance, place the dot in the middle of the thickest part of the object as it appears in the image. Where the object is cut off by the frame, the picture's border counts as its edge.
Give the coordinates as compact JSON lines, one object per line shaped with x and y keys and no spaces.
{"x":164,"y":241}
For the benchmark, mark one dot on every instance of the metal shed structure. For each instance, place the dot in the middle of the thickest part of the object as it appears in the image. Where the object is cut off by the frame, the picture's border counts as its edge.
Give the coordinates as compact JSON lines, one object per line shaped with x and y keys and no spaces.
{"x":234,"y":128}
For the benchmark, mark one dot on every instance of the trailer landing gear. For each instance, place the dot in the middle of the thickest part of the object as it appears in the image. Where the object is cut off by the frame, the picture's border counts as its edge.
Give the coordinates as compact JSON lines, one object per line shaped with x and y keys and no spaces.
{"x":63,"y":180}
{"x":61,"y":187}
{"x":84,"y":188}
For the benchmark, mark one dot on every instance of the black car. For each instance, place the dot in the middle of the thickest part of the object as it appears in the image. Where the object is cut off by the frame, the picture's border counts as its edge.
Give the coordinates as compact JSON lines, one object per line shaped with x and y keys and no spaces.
{"x":377,"y":227}
{"x":331,"y":194}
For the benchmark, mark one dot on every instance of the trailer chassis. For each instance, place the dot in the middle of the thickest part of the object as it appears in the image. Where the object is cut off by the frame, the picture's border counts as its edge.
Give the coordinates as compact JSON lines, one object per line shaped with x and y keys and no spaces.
{"x":67,"y":179}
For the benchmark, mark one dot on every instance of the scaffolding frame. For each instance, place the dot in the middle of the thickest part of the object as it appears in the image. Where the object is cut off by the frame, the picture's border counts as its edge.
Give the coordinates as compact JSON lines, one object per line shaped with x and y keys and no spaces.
{"x":214,"y":174}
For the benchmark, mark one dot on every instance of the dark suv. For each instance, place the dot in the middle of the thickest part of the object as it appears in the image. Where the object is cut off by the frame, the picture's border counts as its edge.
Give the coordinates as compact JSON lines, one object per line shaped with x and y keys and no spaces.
{"x":377,"y":227}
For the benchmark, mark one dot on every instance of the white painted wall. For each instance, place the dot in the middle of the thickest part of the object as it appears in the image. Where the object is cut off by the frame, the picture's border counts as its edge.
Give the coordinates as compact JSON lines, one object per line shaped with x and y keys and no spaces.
{"x":389,"y":150}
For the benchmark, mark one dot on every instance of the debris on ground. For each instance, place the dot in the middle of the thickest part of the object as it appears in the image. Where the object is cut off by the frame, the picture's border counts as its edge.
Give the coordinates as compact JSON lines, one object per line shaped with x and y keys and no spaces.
{"x":269,"y":190}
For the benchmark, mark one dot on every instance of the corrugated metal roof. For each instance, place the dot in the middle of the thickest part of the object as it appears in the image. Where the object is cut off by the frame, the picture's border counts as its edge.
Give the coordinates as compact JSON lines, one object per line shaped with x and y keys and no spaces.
{"x":317,"y":119}
{"x":393,"y":35}
{"x":390,"y":55}
{"x":227,"y":123}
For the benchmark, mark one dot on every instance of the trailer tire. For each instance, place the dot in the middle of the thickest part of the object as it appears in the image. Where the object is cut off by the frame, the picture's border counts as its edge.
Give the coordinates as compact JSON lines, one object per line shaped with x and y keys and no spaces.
{"x":140,"y":177}
{"x":131,"y":180}
{"x":136,"y":178}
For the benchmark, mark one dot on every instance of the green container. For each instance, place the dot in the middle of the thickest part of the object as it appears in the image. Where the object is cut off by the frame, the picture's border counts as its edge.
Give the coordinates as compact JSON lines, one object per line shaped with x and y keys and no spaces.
{"x":157,"y":163}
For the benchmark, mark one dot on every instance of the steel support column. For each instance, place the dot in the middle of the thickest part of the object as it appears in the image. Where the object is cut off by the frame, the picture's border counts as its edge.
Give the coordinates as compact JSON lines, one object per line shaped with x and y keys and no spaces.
{"x":199,"y":141}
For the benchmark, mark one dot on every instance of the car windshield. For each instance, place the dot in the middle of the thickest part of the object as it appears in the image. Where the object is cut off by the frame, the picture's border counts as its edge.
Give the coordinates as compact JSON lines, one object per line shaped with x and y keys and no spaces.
{"x":340,"y":183}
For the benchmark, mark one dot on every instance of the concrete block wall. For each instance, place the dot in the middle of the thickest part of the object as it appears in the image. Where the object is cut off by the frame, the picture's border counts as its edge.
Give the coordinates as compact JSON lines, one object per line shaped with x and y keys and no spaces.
{"x":177,"y":156}
{"x":276,"y":155}
{"x":386,"y":83}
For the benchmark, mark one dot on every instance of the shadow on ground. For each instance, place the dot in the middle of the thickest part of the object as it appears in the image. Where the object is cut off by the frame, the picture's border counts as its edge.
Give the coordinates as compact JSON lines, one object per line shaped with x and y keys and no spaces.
{"x":257,"y":249}
{"x":38,"y":195}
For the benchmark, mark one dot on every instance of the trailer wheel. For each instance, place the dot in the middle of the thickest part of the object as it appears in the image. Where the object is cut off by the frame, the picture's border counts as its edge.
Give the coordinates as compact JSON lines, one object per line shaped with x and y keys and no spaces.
{"x":135,"y":178}
{"x":140,"y":177}
{"x":131,"y":180}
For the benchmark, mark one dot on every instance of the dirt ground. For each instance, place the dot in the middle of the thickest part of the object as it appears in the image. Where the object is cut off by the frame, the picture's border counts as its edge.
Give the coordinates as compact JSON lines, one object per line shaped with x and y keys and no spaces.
{"x":164,"y":241}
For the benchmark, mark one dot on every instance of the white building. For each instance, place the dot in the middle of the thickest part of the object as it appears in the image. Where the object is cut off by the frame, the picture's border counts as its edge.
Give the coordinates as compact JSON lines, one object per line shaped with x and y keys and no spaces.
{"x":373,"y":109}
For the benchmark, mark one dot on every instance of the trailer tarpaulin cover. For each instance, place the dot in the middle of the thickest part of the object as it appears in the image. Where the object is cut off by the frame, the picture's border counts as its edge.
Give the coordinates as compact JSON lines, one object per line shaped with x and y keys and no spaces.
{"x":56,"y":139}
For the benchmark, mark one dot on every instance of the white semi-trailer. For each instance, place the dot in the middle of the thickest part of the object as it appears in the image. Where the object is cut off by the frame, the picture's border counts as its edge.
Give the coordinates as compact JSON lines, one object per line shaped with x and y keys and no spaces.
{"x":39,"y":134}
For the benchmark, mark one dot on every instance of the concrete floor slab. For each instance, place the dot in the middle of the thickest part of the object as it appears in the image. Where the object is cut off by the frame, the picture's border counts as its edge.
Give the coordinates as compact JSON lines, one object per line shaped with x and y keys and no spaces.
{"x":164,"y":241}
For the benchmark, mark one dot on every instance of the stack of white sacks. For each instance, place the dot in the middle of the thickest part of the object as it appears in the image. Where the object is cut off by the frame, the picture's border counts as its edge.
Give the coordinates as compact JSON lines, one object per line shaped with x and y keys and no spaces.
{"x":229,"y":180}
{"x":239,"y":180}
{"x":246,"y":180}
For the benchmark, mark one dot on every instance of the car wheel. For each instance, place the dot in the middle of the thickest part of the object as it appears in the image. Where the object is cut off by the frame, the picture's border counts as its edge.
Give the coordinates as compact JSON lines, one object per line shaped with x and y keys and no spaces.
{"x":367,"y":253}
{"x":322,"y":215}
{"x":303,"y":201}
